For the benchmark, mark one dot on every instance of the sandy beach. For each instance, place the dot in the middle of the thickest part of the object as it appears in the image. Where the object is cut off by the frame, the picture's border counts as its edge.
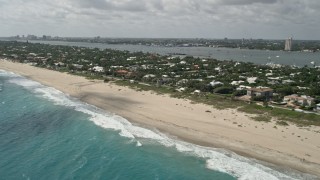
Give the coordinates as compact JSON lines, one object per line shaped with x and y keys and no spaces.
{"x":289,"y":146}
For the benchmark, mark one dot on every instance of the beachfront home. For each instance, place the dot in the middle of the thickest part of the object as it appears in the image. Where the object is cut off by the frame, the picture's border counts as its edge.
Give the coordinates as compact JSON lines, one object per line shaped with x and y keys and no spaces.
{"x":121,"y":72}
{"x":98,"y":69}
{"x":262,"y":92}
{"x":299,"y":100}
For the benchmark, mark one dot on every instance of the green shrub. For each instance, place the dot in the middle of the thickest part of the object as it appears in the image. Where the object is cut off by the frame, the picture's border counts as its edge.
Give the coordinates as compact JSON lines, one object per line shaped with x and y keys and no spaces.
{"x":223,"y":90}
{"x":282,"y":123}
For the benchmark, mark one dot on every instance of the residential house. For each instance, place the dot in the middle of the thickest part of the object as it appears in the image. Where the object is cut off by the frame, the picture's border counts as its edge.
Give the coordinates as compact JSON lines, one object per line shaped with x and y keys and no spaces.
{"x":252,"y":80}
{"x":181,"y":89}
{"x":122,"y":72}
{"x":133,"y":68}
{"x":242,"y":87}
{"x":196,"y":91}
{"x":131,"y":58}
{"x":211,"y":77}
{"x":148,"y":76}
{"x":103,"y":59}
{"x":288,"y":81}
{"x":98,"y":69}
{"x":215,"y":83}
{"x":77,"y":66}
{"x":182,"y":81}
{"x":59,"y":64}
{"x":263,"y":92}
{"x":273,"y":80}
{"x":300,"y":100}
{"x":236,"y":83}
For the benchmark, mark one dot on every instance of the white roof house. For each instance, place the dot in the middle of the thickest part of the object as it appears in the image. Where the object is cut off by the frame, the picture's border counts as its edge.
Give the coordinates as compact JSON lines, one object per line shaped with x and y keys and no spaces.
{"x":131,"y":58}
{"x":98,"y":69}
{"x":210,"y":77}
{"x":236,"y":82}
{"x":273,"y":78}
{"x":252,"y":80}
{"x":181,"y":89}
{"x":242,"y":87}
{"x":32,"y":54}
{"x":301,"y":100}
{"x":197,"y":91}
{"x":215,"y":83}
{"x":149,"y":76}
{"x":182,"y":81}
{"x":59,"y":64}
{"x":218,"y":69}
{"x":236,"y":64}
{"x":78,"y":66}
{"x":288,"y":81}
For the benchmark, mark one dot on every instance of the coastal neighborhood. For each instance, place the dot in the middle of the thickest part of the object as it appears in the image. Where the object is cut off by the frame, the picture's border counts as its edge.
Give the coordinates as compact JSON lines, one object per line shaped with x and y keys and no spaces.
{"x":290,"y":87}
{"x":160,"y":89}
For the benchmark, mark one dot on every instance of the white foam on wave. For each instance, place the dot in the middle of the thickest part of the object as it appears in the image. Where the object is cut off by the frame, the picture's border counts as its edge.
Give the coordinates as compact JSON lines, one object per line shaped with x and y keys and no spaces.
{"x":21,"y":81}
{"x":7,"y":73}
{"x":138,"y":144}
{"x":230,"y":163}
{"x":216,"y":159}
{"x":240,"y":169}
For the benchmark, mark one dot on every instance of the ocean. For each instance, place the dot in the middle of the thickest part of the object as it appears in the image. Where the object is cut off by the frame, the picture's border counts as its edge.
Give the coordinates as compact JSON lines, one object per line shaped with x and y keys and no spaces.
{"x":45,"y":134}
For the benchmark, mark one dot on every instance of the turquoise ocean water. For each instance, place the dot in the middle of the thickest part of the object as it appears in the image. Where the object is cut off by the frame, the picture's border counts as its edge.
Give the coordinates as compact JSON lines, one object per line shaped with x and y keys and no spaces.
{"x":45,"y":134}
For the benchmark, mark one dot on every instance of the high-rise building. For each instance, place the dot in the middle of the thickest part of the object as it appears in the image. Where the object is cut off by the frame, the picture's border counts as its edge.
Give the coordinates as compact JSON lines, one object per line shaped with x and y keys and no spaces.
{"x":288,"y":44}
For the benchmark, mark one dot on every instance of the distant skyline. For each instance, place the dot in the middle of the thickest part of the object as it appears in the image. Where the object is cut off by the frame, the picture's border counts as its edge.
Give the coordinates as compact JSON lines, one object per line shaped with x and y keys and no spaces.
{"x":266,"y":19}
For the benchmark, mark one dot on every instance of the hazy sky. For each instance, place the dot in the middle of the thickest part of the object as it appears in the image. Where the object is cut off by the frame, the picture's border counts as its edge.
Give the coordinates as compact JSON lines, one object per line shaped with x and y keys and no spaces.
{"x":268,"y":19}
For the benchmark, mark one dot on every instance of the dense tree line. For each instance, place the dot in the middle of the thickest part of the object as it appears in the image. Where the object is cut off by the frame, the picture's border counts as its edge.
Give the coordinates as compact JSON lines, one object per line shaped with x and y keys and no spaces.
{"x":166,"y":69}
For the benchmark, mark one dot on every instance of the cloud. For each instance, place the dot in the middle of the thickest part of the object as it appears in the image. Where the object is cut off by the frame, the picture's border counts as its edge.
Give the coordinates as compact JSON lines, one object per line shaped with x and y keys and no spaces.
{"x":194,"y":18}
{"x":243,"y":2}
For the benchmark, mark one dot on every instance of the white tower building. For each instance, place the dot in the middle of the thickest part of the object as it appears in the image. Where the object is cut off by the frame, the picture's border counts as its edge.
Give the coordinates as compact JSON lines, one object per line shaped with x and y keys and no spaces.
{"x":288,"y":44}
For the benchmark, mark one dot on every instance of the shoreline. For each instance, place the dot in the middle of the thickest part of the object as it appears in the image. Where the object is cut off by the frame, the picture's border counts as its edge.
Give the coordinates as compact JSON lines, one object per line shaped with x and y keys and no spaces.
{"x":293,"y":147}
